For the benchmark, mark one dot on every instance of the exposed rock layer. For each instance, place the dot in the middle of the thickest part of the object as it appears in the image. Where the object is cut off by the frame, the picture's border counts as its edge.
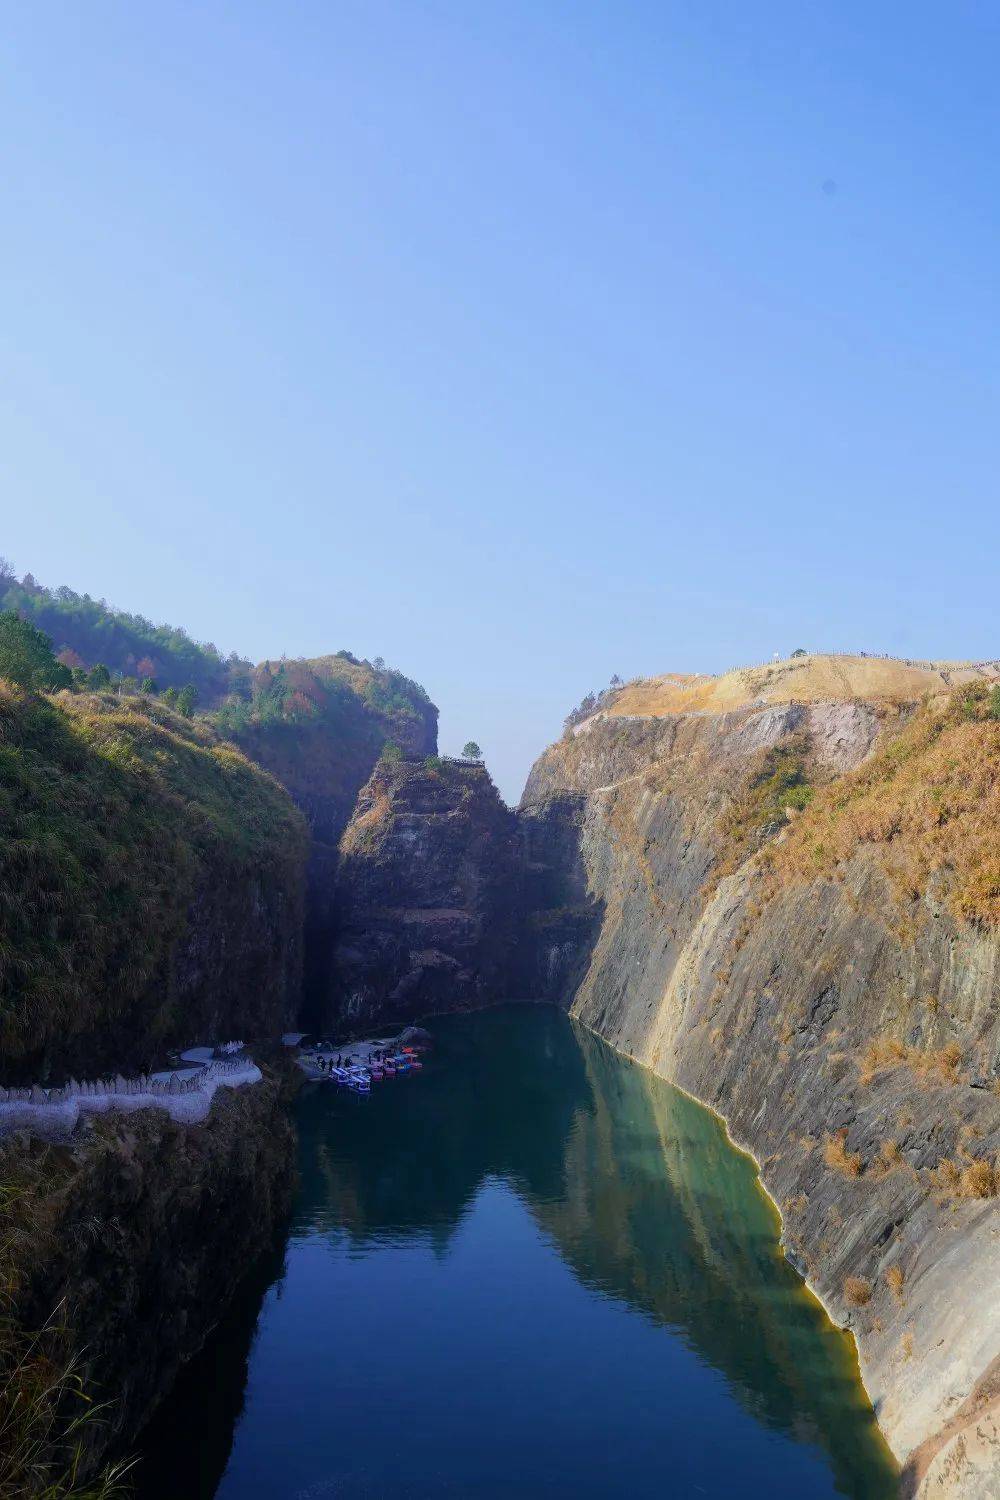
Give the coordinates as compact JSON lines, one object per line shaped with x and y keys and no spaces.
{"x":764,"y":999}
{"x":324,"y":762}
{"x":427,"y":893}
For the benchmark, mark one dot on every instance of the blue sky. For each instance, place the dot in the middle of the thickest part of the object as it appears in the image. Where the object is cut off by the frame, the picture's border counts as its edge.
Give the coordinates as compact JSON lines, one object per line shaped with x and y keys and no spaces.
{"x":518,"y":343}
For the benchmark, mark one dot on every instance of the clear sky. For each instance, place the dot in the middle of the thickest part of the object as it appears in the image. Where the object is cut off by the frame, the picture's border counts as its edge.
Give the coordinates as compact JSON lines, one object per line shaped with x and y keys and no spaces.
{"x":518,"y":342}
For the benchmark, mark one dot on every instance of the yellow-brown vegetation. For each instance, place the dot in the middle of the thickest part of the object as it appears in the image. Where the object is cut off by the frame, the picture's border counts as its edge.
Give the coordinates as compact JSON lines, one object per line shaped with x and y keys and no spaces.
{"x":889,"y":1158}
{"x":927,"y":801}
{"x":837,"y":1156}
{"x":857,"y":1291}
{"x":808,"y":679}
{"x":939,"y":1065}
{"x":979,"y":1178}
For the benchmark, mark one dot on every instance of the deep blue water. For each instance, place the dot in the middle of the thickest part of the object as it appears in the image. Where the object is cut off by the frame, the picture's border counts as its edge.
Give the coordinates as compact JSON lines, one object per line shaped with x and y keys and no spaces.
{"x":533,"y":1269}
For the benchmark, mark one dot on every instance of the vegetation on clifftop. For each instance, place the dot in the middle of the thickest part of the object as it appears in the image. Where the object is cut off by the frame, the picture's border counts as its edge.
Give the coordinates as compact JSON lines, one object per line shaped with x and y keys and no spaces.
{"x":297,"y":692}
{"x":320,"y":725}
{"x":927,"y":801}
{"x":113,"y":814}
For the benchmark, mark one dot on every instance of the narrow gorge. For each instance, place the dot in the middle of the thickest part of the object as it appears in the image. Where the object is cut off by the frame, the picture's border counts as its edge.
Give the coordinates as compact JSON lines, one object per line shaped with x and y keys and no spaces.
{"x":777,"y":889}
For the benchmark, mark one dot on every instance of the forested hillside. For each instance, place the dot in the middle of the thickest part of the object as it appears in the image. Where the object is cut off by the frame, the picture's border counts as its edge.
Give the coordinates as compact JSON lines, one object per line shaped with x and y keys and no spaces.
{"x":86,"y":632}
{"x":88,"y":635}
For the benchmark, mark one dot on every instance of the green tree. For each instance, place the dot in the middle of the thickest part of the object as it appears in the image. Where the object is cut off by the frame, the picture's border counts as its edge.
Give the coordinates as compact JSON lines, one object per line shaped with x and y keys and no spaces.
{"x":391,"y":752}
{"x":186,"y":699}
{"x":26,"y":656}
{"x":170,"y":695}
{"x":994,"y":704}
{"x":98,"y":677}
{"x":148,"y":685}
{"x":471,"y":750}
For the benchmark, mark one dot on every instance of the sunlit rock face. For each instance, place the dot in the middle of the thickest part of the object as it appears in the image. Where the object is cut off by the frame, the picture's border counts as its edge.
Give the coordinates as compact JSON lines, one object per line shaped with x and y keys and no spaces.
{"x":820,"y":987}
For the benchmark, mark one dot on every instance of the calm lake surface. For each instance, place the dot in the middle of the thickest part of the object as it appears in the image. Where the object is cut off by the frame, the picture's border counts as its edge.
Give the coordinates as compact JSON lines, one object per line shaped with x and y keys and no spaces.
{"x":532,"y":1269}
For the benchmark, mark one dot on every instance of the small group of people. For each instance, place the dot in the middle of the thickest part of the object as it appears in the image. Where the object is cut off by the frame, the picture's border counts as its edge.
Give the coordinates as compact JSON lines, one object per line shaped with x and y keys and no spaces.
{"x":326,"y":1064}
{"x":326,"y":1061}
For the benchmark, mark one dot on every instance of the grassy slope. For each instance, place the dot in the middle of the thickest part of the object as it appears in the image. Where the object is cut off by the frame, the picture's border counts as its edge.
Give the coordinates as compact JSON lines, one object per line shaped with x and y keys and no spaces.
{"x":927,"y":802}
{"x":112,"y":813}
{"x":807,"y":679}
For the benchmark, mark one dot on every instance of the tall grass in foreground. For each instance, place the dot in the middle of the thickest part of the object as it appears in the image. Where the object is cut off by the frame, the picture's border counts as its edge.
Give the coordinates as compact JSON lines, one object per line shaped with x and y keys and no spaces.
{"x":45,"y":1412}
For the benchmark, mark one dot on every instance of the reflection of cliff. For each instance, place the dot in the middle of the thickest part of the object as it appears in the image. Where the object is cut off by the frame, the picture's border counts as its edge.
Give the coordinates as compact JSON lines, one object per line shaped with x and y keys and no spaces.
{"x":642,"y":1194}
{"x":207,"y":1402}
{"x":497,"y":1099}
{"x":635,"y":1185}
{"x":660,"y":1211}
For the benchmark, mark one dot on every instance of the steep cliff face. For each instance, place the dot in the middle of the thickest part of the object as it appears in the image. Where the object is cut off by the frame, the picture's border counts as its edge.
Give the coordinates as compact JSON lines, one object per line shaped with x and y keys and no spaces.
{"x":126,"y":1247}
{"x":797,"y":924}
{"x":319,"y":727}
{"x":426,"y":893}
{"x":152,"y":887}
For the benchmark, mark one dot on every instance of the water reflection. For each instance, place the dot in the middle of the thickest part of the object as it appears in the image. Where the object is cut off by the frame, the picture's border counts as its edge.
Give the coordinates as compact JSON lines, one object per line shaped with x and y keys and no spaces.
{"x":661,"y":1210}
{"x":639,"y":1194}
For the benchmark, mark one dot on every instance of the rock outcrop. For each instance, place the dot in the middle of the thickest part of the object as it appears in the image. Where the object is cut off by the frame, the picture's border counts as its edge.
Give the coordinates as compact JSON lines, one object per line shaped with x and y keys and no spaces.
{"x":427,"y":894}
{"x":319,"y":726}
{"x":795,"y":924}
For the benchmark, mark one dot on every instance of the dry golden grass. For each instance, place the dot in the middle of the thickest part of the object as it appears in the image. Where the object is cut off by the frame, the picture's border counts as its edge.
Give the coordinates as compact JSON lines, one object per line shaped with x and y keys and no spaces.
{"x":837,"y":1156}
{"x":939,"y":1065}
{"x":927,"y":801}
{"x":895,"y":1279}
{"x":806,"y":679}
{"x":980,"y":1179}
{"x":947,"y":1177}
{"x":362,"y":832}
{"x":889,"y":1158}
{"x":857,"y":1291}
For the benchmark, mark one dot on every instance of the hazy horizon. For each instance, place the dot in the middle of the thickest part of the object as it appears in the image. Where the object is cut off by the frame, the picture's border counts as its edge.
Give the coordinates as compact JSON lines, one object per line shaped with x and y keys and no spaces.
{"x":520,"y":345}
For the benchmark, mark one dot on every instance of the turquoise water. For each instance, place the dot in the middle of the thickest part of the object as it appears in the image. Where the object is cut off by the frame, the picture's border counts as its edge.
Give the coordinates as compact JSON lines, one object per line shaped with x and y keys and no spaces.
{"x":533,"y":1269}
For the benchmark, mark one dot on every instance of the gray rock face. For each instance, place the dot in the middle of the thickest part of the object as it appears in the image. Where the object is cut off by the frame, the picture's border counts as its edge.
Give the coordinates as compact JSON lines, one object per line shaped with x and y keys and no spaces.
{"x":427,"y":894}
{"x":765,"y":1004}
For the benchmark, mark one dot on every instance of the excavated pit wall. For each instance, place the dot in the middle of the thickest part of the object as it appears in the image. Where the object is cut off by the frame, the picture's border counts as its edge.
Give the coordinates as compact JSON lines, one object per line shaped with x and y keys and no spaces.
{"x":762,"y":1004}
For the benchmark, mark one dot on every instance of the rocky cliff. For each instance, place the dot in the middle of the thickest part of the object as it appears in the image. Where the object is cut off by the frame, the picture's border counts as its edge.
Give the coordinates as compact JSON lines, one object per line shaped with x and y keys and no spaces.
{"x":319,"y":726}
{"x":796,"y":891}
{"x":427,"y":893}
